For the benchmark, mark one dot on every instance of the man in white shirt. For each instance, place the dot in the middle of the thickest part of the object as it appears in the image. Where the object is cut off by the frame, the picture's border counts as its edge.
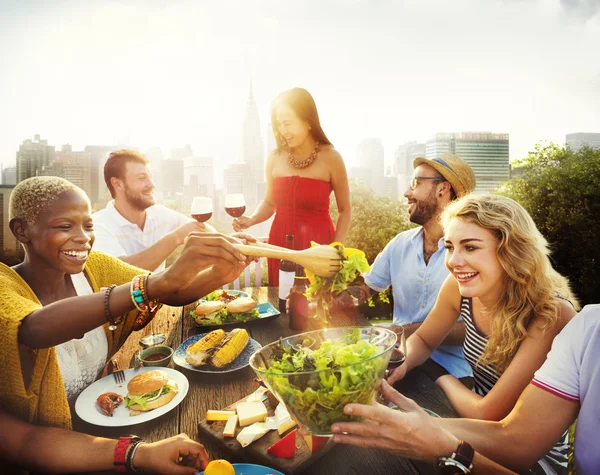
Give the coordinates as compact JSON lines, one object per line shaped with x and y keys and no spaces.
{"x":133,"y":227}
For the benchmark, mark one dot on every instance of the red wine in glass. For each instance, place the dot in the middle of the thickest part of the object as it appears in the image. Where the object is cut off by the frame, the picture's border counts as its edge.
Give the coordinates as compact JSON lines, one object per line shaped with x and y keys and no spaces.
{"x":397,"y":358}
{"x":235,"y":212}
{"x":203,"y":217}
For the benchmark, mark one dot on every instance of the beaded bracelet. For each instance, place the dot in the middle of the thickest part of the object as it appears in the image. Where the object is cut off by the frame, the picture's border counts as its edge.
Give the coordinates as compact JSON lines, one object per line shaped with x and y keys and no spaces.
{"x":151,"y":304}
{"x":109,"y":316}
{"x":135,"y":443}
{"x":137,"y":296}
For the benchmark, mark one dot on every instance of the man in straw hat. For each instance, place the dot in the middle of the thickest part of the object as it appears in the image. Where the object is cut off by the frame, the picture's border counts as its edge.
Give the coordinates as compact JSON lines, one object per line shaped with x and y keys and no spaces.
{"x":413,"y":262}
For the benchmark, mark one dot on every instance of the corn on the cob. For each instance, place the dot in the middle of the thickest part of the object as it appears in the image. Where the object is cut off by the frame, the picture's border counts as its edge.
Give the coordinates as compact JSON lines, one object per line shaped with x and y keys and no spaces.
{"x":230,"y":348}
{"x":199,"y":353}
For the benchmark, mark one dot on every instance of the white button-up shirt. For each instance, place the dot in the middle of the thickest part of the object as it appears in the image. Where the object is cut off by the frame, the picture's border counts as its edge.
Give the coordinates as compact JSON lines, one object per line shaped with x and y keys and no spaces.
{"x":416,"y":285}
{"x":117,"y":236}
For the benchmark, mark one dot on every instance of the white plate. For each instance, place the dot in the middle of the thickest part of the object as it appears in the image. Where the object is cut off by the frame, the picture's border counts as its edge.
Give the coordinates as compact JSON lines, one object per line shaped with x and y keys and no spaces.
{"x":88,"y":410}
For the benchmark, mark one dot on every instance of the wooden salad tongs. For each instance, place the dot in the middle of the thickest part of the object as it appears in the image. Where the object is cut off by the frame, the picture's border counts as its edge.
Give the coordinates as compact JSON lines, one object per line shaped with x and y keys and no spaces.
{"x":323,"y":261}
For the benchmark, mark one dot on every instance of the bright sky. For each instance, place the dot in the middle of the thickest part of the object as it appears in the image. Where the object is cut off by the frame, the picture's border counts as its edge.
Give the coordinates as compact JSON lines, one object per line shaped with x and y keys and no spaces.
{"x":169,"y":73}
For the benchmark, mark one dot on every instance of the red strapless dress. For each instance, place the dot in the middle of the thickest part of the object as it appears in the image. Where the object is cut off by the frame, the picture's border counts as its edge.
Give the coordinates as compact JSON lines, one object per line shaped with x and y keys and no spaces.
{"x":301,"y":209}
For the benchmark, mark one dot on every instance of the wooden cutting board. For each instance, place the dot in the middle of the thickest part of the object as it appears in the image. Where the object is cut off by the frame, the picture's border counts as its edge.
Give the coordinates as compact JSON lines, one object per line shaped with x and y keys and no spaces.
{"x":257,"y":450}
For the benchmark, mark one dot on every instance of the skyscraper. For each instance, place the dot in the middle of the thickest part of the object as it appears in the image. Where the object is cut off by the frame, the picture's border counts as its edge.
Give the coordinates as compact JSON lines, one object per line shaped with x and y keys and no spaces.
{"x":9,"y":175}
{"x":32,"y":156}
{"x":486,"y":152}
{"x":7,"y":240}
{"x":578,"y":140}
{"x":253,"y":150}
{"x":404,"y":158}
{"x":99,"y":194}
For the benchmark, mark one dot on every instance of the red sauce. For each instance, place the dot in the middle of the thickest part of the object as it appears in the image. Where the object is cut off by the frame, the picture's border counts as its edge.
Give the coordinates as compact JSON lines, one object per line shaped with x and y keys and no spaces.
{"x":156,"y":357}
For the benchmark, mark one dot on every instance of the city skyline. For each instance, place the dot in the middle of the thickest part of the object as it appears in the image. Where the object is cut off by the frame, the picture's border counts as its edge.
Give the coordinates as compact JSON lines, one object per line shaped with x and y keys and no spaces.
{"x":156,"y":74}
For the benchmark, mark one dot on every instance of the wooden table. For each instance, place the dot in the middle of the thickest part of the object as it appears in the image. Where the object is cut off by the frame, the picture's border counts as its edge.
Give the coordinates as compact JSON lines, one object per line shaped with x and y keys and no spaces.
{"x":216,"y":391}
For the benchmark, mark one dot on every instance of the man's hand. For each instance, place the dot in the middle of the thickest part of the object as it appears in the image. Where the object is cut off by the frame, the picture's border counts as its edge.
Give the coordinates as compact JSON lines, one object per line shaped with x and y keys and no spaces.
{"x":408,"y":432}
{"x":177,"y":455}
{"x":186,"y":229}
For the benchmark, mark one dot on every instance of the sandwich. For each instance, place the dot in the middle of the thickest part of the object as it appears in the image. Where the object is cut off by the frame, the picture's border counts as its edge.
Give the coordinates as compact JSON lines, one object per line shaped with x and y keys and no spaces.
{"x":210,"y":312}
{"x":150,"y":390}
{"x":243,"y":309}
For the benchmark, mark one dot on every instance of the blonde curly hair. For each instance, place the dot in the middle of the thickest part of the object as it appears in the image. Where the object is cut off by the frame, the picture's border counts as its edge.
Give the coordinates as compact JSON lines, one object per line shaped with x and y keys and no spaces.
{"x":532,"y":289}
{"x":33,"y":196}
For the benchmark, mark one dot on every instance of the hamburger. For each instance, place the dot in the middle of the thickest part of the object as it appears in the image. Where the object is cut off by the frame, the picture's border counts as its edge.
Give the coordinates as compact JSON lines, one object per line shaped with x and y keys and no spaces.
{"x":243,"y":309}
{"x":150,"y":390}
{"x":210,"y":312}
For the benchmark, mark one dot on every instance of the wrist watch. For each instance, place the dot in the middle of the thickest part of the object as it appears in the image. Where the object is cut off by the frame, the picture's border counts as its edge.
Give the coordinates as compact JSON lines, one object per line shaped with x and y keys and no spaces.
{"x":460,"y":462}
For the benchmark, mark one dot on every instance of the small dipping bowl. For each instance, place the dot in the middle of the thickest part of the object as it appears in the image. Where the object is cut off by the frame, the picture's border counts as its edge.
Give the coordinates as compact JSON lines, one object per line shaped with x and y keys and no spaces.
{"x":157,"y":356}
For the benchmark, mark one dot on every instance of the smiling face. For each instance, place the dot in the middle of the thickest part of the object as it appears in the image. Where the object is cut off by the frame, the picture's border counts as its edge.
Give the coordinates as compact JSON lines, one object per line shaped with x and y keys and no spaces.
{"x":63,"y":235}
{"x":423,"y":203}
{"x":137,"y":187}
{"x":472,"y":258}
{"x":293,"y":130}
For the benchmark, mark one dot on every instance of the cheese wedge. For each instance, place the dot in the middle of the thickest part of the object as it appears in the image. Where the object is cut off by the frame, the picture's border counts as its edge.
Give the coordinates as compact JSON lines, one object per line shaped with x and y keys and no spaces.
{"x":219,"y":415}
{"x":315,"y":442}
{"x":283,"y":418}
{"x":230,"y":427}
{"x":259,"y":395}
{"x":251,"y":412}
{"x":251,"y":433}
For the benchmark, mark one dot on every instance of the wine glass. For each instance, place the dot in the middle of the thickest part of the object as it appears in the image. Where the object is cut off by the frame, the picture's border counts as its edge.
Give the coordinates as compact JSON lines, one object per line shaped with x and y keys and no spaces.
{"x":202,"y":208}
{"x":235,"y":204}
{"x":398,"y":355}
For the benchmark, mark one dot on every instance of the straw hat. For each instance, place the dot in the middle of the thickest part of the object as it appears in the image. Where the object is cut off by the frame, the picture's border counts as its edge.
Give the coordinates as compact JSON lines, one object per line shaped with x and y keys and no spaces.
{"x":454,"y":169}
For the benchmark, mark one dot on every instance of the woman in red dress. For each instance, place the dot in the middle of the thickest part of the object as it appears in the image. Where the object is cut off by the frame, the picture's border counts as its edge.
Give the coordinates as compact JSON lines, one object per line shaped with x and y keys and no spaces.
{"x":300,"y":174}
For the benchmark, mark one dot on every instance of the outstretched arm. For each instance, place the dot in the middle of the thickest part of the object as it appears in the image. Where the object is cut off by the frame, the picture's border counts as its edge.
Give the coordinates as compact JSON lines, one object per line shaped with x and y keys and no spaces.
{"x":524,"y":436}
{"x":433,"y":331}
{"x":266,"y":208}
{"x":207,"y":262}
{"x":339,"y":183}
{"x":408,"y":432}
{"x":48,"y":449}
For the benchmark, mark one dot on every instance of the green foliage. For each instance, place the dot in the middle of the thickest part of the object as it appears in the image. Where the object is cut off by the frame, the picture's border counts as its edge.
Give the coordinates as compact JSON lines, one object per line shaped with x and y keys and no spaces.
{"x":561,"y":190}
{"x":375,"y":220}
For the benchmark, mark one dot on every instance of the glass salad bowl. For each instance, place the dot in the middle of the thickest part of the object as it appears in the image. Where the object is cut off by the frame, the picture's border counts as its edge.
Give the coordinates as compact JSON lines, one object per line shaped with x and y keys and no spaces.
{"x":315,"y":374}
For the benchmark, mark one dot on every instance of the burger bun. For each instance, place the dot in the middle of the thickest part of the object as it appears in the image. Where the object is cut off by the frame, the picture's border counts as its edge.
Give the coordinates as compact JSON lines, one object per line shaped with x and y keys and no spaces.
{"x":209,"y":306}
{"x":147,"y":382}
{"x":240,"y":305}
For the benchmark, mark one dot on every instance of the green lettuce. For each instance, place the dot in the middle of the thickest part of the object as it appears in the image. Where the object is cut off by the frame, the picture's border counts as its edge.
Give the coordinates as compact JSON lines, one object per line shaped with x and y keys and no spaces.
{"x":143,"y":399}
{"x":324,"y":290}
{"x":338,"y":373}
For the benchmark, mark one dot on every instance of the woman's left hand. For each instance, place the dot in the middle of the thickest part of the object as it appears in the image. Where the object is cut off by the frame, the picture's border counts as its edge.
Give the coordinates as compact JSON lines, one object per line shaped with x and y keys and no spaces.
{"x":407,"y":432}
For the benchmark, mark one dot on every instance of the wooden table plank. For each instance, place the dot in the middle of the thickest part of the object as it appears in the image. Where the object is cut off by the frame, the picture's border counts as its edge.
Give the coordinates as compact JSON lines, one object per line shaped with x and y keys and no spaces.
{"x":167,"y":321}
{"x":216,"y":391}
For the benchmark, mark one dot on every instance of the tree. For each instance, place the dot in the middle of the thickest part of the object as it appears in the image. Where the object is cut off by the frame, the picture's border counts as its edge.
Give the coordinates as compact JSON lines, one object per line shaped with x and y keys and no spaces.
{"x":560,"y":189}
{"x":375,"y":220}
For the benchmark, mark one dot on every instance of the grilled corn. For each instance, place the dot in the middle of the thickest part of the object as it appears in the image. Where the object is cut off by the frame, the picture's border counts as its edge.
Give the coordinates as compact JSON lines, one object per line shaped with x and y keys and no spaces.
{"x":199,"y":353}
{"x":230,"y":348}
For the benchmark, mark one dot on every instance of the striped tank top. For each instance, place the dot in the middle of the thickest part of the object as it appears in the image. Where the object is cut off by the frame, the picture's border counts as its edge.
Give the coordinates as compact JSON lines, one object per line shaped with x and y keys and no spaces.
{"x":485,"y":376}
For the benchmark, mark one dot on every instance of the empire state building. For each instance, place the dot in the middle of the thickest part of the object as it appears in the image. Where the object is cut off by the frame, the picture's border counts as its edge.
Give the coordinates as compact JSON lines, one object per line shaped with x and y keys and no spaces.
{"x":253,"y":153}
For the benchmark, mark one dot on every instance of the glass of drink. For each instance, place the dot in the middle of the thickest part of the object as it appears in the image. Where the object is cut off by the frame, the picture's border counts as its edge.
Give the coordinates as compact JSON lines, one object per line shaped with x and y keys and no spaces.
{"x":235,"y":204}
{"x":202,"y":209}
{"x":398,"y":355}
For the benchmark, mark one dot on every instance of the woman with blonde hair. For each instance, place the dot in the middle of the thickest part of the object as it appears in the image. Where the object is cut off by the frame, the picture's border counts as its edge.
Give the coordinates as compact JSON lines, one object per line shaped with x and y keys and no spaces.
{"x":513,"y":303}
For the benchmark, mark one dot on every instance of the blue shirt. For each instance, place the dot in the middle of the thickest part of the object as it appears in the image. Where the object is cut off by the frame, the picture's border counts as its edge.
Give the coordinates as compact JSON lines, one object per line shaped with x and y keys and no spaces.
{"x":416,"y":285}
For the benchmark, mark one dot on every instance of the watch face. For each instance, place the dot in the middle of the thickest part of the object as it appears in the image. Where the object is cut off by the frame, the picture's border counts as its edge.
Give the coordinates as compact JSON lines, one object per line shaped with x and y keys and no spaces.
{"x":449,"y":466}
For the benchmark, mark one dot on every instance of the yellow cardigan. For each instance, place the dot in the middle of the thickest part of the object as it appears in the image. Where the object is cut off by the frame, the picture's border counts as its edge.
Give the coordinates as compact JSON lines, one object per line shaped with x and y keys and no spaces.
{"x":44,"y":402}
